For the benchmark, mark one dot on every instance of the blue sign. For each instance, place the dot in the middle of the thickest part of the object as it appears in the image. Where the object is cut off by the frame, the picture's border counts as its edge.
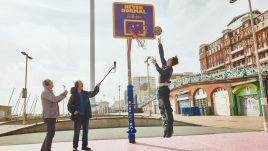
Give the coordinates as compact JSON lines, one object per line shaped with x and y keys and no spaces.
{"x":133,"y":16}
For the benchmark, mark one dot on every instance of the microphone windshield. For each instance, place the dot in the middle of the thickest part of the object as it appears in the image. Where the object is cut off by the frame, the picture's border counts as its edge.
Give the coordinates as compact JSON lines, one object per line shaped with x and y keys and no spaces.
{"x":114,"y":65}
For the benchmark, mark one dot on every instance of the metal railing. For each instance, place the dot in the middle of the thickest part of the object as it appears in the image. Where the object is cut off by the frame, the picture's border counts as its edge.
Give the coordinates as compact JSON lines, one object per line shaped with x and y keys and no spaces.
{"x":239,"y":72}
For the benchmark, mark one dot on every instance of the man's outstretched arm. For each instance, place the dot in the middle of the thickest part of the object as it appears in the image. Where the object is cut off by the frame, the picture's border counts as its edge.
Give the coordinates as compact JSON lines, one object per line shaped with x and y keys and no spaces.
{"x":160,"y":71}
{"x":91,"y":94}
{"x":161,"y":53}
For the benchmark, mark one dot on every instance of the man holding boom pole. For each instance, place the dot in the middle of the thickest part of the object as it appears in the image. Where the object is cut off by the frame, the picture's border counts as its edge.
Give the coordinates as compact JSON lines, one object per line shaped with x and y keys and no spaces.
{"x":80,"y":108}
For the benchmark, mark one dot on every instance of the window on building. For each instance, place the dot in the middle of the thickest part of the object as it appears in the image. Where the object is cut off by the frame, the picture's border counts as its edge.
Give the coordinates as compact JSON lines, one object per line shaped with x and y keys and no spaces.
{"x":247,"y":90}
{"x":261,"y":55}
{"x":248,"y":51}
{"x":266,"y":16}
{"x":201,"y":102}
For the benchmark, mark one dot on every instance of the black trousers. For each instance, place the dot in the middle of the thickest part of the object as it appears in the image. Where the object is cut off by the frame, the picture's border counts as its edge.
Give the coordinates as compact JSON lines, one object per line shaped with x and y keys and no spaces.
{"x":80,"y":121}
{"x":50,"y":123}
{"x":165,"y":108}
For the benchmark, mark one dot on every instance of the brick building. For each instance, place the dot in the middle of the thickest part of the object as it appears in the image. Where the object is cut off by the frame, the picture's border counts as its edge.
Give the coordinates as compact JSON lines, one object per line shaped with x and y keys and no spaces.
{"x":235,"y":48}
{"x":228,"y":83}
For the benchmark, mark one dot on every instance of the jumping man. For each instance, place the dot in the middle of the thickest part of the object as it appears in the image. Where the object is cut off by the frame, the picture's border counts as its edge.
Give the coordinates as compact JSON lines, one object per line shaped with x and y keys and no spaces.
{"x":165,"y":73}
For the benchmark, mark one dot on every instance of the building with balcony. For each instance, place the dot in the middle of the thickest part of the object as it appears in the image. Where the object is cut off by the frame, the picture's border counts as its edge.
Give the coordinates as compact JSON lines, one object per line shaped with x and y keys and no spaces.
{"x":103,"y":107}
{"x":142,"y":89}
{"x":235,"y":47}
{"x":228,"y":84}
{"x":227,"y":92}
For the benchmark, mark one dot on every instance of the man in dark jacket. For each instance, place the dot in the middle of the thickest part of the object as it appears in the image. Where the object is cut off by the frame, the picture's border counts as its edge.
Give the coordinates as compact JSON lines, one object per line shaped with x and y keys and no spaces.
{"x":165,"y":73}
{"x":80,"y":108}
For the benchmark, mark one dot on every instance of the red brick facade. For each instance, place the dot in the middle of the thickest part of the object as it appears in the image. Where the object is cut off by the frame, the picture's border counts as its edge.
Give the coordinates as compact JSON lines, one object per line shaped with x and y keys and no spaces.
{"x":208,"y":87}
{"x":235,"y":48}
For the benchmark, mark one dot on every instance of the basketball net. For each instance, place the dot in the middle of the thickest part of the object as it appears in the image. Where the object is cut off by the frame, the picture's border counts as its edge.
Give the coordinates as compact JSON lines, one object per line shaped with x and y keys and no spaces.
{"x":135,"y":34}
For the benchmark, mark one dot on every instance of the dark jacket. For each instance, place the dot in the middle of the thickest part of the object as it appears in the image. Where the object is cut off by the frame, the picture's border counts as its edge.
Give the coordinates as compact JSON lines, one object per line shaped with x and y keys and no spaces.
{"x":73,"y":104}
{"x":166,"y":71}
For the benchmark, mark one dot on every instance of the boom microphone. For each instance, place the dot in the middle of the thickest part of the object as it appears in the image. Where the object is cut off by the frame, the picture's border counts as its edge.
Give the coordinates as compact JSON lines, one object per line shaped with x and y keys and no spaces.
{"x":147,"y":60}
{"x":114,"y":66}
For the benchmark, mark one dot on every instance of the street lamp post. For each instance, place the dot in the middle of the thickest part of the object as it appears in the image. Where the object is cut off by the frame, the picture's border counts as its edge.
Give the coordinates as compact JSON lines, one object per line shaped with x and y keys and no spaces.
{"x":263,"y":97}
{"x":64,"y":88}
{"x":92,"y":48}
{"x":149,"y":86}
{"x":119,"y":101}
{"x":24,"y":90}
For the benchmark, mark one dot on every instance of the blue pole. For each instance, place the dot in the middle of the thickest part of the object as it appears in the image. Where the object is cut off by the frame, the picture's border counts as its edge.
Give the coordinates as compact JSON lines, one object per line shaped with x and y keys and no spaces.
{"x":131,"y":123}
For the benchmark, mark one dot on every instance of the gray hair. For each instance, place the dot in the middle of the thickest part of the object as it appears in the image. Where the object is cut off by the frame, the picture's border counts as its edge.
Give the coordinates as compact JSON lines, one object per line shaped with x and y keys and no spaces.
{"x":46,"y":82}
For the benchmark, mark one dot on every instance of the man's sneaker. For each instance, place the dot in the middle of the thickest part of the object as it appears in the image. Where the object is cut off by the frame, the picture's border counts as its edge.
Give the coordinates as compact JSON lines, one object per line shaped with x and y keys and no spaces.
{"x":165,"y":134}
{"x":86,"y":148}
{"x":75,"y":149}
{"x":169,"y":134}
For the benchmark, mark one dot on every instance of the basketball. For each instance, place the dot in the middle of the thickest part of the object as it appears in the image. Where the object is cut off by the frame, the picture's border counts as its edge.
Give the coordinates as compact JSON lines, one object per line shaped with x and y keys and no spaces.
{"x":157,"y":30}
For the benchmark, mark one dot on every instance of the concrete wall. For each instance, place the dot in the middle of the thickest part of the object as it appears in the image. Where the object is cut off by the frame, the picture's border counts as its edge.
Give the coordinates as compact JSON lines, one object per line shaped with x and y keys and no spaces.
{"x":95,"y":123}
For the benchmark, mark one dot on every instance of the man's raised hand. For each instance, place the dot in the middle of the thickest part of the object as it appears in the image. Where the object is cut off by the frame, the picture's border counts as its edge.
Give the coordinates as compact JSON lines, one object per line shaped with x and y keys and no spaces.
{"x":153,"y":60}
{"x":159,"y":40}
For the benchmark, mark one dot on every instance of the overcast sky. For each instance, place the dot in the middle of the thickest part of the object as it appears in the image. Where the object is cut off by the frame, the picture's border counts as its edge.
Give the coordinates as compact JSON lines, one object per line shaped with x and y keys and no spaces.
{"x":56,"y":33}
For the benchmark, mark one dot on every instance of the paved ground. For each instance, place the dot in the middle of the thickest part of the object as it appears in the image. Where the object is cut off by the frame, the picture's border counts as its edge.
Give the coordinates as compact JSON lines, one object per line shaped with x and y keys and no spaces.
{"x":247,"y":141}
{"x":114,"y":133}
{"x":202,"y":138}
{"x":239,"y":122}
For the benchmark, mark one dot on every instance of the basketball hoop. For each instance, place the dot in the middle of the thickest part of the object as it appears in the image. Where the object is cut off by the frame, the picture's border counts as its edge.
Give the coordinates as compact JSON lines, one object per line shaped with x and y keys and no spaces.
{"x":138,"y":34}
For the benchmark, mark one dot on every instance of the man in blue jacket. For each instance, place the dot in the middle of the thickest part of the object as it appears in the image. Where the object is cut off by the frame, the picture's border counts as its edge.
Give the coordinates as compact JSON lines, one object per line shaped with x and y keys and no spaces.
{"x":80,"y":108}
{"x":165,"y":73}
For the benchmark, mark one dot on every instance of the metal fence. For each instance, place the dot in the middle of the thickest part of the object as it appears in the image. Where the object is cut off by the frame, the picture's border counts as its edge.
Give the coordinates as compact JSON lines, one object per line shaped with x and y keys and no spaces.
{"x":227,"y":74}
